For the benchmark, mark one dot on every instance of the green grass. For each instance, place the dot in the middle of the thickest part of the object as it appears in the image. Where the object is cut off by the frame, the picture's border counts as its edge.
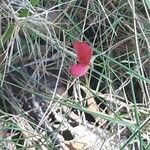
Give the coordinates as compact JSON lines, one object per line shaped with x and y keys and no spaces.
{"x":36,"y":41}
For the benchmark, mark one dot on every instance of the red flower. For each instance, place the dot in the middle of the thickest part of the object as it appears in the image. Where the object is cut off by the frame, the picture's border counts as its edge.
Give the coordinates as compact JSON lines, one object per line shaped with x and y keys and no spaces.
{"x":84,"y":54}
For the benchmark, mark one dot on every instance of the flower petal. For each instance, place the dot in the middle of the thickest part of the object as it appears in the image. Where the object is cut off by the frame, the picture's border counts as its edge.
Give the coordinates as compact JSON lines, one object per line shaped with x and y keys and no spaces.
{"x":78,"y":70}
{"x":83,"y":51}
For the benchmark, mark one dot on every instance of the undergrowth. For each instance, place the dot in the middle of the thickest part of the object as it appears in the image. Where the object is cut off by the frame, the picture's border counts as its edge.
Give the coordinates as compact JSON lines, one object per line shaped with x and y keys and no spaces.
{"x":36,"y":54}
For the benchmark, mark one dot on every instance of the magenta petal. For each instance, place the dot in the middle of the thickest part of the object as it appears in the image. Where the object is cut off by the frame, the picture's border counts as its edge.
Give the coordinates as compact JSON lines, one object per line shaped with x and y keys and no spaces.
{"x":83,"y":51}
{"x":78,"y":70}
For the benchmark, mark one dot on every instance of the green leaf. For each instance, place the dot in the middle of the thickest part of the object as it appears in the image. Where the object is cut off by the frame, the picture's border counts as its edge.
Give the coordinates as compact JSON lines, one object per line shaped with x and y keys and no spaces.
{"x":34,"y":2}
{"x":24,"y":12}
{"x":7,"y":34}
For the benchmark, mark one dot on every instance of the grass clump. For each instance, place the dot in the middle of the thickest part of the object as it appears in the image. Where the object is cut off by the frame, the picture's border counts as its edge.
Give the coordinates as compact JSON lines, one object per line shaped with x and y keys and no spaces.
{"x":38,"y":95}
